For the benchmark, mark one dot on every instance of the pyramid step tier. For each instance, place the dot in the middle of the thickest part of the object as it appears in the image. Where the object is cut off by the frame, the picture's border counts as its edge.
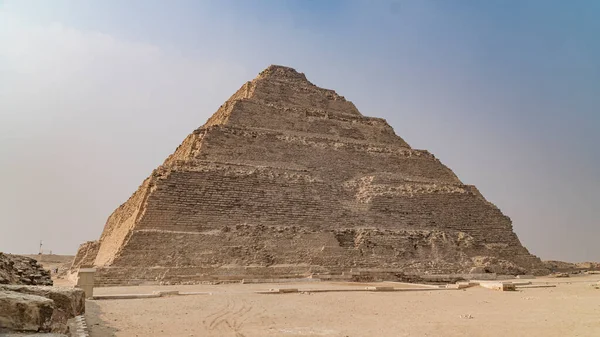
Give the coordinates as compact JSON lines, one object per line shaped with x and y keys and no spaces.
{"x":256,"y":114}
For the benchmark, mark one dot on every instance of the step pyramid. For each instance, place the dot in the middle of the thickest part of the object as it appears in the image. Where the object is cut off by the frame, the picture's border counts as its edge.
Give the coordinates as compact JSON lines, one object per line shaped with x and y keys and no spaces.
{"x":288,"y":179}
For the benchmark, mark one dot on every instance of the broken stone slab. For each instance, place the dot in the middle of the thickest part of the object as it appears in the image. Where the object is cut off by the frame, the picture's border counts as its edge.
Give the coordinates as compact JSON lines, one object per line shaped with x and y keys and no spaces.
{"x":422,"y":285}
{"x":501,"y":286}
{"x":25,"y":312}
{"x":69,"y":301}
{"x":283,"y":290}
{"x":466,"y":284}
{"x":459,"y":285}
{"x":380,"y":288}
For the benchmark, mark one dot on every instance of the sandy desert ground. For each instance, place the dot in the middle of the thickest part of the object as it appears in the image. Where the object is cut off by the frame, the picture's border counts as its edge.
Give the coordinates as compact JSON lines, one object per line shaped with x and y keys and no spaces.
{"x":572,"y":308}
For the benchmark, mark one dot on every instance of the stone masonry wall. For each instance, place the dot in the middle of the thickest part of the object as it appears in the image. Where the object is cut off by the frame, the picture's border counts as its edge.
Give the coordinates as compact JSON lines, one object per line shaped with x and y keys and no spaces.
{"x":86,"y":255}
{"x":335,"y":160}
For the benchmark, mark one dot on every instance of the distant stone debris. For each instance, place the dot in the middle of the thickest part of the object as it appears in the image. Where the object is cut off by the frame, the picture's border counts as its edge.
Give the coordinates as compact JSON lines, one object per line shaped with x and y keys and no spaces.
{"x":288,"y":180}
{"x":17,"y":269}
{"x":561,"y":266}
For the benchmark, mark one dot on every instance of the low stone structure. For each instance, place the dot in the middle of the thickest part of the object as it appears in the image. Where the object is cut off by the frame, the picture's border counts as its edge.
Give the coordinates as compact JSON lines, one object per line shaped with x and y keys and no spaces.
{"x":16,"y":269}
{"x":288,"y":180}
{"x":85,"y":281}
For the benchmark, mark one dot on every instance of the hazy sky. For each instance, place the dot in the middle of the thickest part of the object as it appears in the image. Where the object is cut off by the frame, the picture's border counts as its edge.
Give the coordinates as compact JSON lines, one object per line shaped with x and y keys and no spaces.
{"x":96,"y":94}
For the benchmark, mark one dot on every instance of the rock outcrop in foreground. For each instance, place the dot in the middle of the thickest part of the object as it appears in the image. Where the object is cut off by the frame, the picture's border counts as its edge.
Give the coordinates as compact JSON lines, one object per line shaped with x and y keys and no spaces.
{"x":38,"y":308}
{"x":287,"y":179}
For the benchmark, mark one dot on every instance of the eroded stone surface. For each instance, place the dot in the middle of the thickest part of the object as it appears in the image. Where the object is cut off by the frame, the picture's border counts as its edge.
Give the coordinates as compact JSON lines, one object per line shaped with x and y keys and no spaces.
{"x":71,"y":301}
{"x":86,"y":254}
{"x":17,"y":269}
{"x":63,"y":303}
{"x":25,"y":312}
{"x":287,"y":179}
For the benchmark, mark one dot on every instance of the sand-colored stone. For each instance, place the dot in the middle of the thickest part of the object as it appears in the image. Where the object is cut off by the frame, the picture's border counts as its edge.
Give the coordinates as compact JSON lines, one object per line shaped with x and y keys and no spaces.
{"x":25,"y":312}
{"x":287,"y":180}
{"x":18,"y":269}
{"x":64,"y":304}
{"x":86,"y":255}
{"x":85,"y":281}
{"x":69,"y":301}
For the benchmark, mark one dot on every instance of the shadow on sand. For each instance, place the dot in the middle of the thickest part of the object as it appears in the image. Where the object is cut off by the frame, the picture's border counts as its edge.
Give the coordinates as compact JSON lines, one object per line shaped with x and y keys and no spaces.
{"x":96,"y":326}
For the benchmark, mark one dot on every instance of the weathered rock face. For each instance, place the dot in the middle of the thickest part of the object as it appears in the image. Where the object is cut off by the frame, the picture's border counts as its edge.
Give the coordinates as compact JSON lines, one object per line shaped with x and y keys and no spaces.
{"x":39,"y":308}
{"x":288,"y":179}
{"x":16,"y":269}
{"x":70,"y":301}
{"x":86,"y":254}
{"x":24,"y":312}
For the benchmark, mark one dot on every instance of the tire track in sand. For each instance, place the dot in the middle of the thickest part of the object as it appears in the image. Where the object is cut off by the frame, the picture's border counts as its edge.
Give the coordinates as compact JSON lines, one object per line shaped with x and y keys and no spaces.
{"x":229,"y":319}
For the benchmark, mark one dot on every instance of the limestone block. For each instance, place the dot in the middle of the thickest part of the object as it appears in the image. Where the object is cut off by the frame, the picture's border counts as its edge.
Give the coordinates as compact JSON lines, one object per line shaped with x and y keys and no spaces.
{"x":25,"y":312}
{"x":85,"y":281}
{"x":70,"y":301}
{"x":502,"y":286}
{"x":459,"y":285}
{"x":283,"y":290}
{"x":380,"y":288}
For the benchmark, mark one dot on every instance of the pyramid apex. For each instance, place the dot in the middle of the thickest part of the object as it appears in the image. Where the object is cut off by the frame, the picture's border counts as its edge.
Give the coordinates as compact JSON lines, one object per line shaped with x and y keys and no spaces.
{"x":279,"y":71}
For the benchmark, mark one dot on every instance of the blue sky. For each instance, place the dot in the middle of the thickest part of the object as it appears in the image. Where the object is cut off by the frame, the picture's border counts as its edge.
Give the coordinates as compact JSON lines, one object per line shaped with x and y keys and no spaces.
{"x":95,"y":94}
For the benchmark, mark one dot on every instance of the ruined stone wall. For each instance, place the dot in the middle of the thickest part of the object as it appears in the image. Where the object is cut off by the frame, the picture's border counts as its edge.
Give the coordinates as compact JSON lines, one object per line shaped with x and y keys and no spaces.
{"x":206,"y":203}
{"x":334,"y":125}
{"x":310,"y":251}
{"x":247,"y":251}
{"x":331,"y":159}
{"x":86,"y":255}
{"x":17,"y":269}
